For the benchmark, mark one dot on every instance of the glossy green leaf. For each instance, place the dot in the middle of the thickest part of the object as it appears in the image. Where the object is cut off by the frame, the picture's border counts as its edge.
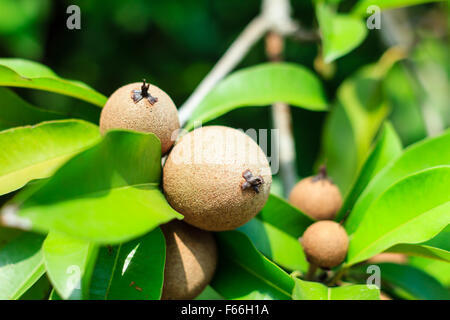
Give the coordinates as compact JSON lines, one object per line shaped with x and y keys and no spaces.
{"x":387,"y":148}
{"x":108,"y":193}
{"x":341,"y":33}
{"x":21,"y":265}
{"x":275,"y":232}
{"x":15,"y":112}
{"x":421,"y":250}
{"x":29,"y":74}
{"x":354,"y":122}
{"x":416,"y":283}
{"x":69,"y":264}
{"x":36,"y":152}
{"x":305,"y":290}
{"x":436,"y":248}
{"x":440,"y":270}
{"x":132,"y":270}
{"x":244,"y":273}
{"x":411,"y":211}
{"x":360,"y":8}
{"x":260,"y":86}
{"x":425,"y":154}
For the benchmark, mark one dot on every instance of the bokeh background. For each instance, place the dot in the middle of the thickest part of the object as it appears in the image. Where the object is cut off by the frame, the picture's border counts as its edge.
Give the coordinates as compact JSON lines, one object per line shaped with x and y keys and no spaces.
{"x":175,"y":43}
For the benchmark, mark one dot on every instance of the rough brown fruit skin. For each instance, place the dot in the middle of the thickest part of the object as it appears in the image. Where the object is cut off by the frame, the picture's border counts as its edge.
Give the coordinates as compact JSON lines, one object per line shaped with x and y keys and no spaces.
{"x":325,"y":244}
{"x":202,"y":178}
{"x":191,"y":260}
{"x":318,"y":198}
{"x":161,"y":118}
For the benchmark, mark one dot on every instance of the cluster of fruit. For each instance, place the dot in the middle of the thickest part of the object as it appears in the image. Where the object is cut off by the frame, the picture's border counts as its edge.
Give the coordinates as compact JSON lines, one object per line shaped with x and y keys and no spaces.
{"x":217,"y":177}
{"x":325,"y":242}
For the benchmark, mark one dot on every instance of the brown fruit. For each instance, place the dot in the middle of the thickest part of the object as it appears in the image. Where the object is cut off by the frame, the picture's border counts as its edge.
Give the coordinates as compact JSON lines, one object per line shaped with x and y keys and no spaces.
{"x":325,"y":244}
{"x":191,"y":259}
{"x":144,"y":108}
{"x":317,"y":197}
{"x":217,"y":177}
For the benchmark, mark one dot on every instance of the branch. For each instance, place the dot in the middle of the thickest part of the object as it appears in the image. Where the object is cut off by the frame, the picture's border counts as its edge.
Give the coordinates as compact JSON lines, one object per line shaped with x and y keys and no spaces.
{"x":282,"y":120}
{"x":251,"y":34}
{"x":276,"y":16}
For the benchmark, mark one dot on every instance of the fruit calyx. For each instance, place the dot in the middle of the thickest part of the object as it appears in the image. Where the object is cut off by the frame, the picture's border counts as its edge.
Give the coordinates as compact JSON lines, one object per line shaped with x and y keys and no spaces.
{"x":322,"y":175}
{"x":251,"y":181}
{"x":138,"y":95}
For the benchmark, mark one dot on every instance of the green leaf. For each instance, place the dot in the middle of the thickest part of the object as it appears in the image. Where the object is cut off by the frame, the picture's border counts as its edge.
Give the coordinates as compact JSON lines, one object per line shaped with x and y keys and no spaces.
{"x":421,"y":250}
{"x":412,"y":281}
{"x":209,"y":294}
{"x":406,"y":101}
{"x":260,"y":86}
{"x":354,"y":122}
{"x":305,"y":290}
{"x":107,"y":194}
{"x":29,"y":74}
{"x":36,"y":152}
{"x":411,"y":211}
{"x":244,"y":273}
{"x":69,"y":264}
{"x":132,"y":270}
{"x":386,"y":149}
{"x":15,"y":112}
{"x":275,"y":232}
{"x":422,"y":155}
{"x":341,"y":33}
{"x":438,"y":269}
{"x":360,"y":8}
{"x":435,"y":248}
{"x":21,"y":265}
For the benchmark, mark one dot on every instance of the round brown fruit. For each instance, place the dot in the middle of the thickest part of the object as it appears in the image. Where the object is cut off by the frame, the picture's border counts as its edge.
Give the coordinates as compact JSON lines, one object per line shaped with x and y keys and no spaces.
{"x":325,"y":244}
{"x":317,"y":197}
{"x":191,"y":259}
{"x":217,"y":177}
{"x":142,"y":107}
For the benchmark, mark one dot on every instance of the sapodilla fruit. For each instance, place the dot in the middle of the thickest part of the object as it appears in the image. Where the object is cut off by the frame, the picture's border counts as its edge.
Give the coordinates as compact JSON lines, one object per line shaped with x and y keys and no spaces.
{"x":317,"y":197}
{"x":325,"y":244}
{"x":217,"y":177}
{"x":191,"y":259}
{"x":142,"y":107}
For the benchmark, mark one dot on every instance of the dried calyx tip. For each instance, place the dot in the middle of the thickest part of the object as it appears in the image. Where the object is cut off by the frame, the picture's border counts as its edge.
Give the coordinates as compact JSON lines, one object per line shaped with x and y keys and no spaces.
{"x":251,"y":181}
{"x":138,"y":95}
{"x":322,"y":173}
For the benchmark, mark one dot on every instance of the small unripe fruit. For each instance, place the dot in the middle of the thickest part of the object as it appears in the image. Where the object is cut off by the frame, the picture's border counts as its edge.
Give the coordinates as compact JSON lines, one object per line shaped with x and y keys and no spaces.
{"x":142,"y":107}
{"x":325,"y":244}
{"x":191,"y":260}
{"x":317,"y":197}
{"x":217,"y":177}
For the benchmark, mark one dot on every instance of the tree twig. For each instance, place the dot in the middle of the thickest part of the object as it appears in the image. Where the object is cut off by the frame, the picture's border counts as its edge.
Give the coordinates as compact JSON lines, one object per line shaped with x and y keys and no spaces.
{"x":251,"y":34}
{"x":275,"y":15}
{"x":282,"y":120}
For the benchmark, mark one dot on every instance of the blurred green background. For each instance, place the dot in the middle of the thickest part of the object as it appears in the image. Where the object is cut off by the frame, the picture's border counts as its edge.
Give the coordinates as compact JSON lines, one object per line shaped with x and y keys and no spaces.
{"x":175,"y":43}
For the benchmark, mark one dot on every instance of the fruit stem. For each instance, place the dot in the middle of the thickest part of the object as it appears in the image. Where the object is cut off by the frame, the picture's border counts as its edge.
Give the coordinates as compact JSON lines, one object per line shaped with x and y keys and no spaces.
{"x":311,"y":272}
{"x":337,"y":277}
